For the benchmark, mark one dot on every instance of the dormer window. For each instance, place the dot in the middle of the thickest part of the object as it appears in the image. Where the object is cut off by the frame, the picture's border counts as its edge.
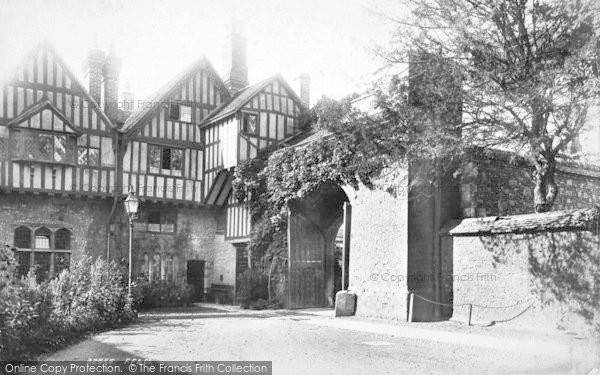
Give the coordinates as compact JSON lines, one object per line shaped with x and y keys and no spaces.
{"x":43,"y":133}
{"x":250,"y":123}
{"x":180,"y":112}
{"x":44,"y":146}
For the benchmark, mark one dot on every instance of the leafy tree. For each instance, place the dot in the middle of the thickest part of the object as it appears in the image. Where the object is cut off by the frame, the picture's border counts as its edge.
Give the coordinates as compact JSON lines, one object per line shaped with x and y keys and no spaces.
{"x":528,"y":71}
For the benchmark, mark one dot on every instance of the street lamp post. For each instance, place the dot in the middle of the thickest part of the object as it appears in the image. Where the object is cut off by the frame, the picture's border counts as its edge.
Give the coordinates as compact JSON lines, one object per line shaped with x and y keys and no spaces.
{"x":131,"y":207}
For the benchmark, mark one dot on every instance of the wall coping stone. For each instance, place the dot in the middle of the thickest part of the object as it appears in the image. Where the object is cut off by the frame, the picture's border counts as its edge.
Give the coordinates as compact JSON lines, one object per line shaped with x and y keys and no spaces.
{"x":554,"y":221}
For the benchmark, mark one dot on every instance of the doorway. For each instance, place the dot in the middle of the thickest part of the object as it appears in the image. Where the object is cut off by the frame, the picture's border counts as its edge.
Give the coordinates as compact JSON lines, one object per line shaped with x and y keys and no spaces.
{"x":313,"y":226}
{"x":195,"y":279}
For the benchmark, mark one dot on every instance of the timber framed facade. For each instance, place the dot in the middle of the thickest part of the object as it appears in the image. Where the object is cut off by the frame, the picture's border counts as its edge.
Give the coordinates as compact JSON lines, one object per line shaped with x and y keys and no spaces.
{"x":68,"y":158}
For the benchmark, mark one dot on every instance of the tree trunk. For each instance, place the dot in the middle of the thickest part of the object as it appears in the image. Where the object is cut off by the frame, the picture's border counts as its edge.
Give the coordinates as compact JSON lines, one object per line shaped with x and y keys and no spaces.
{"x":545,"y":191}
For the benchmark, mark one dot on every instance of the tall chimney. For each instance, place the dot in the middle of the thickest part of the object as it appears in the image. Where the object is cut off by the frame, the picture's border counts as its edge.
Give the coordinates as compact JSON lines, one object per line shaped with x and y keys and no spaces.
{"x":304,"y":86}
{"x":128,"y":98}
{"x":92,"y":71}
{"x":236,"y":67}
{"x":112,"y":68}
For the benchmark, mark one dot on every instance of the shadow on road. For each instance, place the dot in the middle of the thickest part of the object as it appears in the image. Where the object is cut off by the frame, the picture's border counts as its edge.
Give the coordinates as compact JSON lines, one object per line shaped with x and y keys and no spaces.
{"x":90,"y":349}
{"x":209,"y":312}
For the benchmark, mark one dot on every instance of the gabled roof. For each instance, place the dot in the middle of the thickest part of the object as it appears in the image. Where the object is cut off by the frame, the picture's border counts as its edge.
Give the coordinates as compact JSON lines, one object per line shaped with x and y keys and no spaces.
{"x":167,"y":90}
{"x":75,"y":84}
{"x":244,"y":96}
{"x":60,"y":123}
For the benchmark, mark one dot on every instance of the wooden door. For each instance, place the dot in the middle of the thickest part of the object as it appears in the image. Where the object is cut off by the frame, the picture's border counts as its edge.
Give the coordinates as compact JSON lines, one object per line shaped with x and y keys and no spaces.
{"x":306,"y":263}
{"x":195,"y":278}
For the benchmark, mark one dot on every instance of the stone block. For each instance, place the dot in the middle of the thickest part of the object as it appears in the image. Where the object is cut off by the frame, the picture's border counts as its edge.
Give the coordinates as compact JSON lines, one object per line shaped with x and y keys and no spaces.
{"x":345,"y":303}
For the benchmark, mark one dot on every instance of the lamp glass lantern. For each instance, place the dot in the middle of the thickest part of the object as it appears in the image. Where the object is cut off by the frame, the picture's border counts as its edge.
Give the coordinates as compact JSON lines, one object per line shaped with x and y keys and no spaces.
{"x":132,"y":204}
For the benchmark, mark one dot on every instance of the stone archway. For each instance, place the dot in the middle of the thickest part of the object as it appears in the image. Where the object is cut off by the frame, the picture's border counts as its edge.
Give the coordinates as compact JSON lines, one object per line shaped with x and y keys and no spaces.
{"x":313,"y":225}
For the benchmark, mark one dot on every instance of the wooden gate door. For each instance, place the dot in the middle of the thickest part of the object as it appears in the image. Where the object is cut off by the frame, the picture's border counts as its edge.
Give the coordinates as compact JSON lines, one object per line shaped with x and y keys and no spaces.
{"x":195,"y":278}
{"x":306,"y":248}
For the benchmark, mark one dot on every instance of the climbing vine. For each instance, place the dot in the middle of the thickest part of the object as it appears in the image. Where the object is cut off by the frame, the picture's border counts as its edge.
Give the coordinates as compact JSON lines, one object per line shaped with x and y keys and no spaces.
{"x":349,"y":147}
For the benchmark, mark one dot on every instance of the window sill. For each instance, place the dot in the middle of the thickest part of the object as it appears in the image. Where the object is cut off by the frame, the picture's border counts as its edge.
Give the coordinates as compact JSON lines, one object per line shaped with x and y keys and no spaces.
{"x":19,"y":160}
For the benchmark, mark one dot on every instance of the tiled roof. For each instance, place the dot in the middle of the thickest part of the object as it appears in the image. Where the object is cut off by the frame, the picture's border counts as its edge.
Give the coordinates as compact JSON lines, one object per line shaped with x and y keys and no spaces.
{"x":235,"y":103}
{"x":554,"y":221}
{"x":161,"y":94}
{"x":244,"y":96}
{"x":304,"y":139}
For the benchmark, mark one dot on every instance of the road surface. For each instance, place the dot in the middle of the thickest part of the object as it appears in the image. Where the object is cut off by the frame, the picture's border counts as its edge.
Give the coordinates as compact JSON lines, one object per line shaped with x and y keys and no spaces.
{"x":305,"y":343}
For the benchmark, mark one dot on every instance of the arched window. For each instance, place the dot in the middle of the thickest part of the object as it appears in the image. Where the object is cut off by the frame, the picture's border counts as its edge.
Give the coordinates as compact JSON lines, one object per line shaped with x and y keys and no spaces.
{"x":42,"y":238}
{"x":62,"y":239}
{"x":22,"y":239}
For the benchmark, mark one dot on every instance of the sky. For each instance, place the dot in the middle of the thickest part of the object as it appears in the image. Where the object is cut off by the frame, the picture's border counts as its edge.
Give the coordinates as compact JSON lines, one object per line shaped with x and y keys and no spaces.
{"x":328,"y":39}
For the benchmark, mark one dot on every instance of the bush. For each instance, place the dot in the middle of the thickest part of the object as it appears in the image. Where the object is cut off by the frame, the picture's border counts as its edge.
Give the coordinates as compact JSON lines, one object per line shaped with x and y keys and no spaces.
{"x":252,"y":288}
{"x":41,"y":317}
{"x":148,"y":294}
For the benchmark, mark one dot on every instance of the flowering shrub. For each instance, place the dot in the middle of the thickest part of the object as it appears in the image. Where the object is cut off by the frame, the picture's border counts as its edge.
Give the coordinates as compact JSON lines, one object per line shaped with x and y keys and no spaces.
{"x":160,"y":293}
{"x":41,"y":317}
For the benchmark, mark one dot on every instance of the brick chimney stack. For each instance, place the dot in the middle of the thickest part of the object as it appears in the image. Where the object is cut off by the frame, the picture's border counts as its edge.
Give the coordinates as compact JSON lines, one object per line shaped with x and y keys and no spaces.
{"x":236,"y":67}
{"x":110,"y":72}
{"x":92,"y":70}
{"x":128,"y":98}
{"x":304,"y":86}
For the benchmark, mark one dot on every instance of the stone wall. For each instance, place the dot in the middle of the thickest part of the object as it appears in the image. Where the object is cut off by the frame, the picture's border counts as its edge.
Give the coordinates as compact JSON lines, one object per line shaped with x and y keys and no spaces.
{"x":517,"y":279}
{"x":194,"y":239}
{"x":85,"y":218}
{"x":493,"y":185}
{"x":378,"y":252}
{"x":224,"y":269}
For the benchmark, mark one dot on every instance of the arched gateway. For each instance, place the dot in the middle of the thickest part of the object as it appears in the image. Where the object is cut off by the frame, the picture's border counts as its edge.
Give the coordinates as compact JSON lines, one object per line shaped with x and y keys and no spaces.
{"x":313,"y":226}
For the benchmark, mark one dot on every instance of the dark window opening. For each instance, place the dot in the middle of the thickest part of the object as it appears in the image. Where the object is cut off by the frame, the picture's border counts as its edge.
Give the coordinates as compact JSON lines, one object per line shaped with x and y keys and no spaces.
{"x":174,"y":111}
{"x":165,"y":160}
{"x":22,"y":238}
{"x":156,"y":221}
{"x":180,"y":112}
{"x":41,"y":251}
{"x":24,"y":261}
{"x":62,"y":239}
{"x":250,"y":123}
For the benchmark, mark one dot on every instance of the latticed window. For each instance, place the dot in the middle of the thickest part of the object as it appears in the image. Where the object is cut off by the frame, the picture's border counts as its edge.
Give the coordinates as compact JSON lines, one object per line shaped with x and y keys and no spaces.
{"x":156,"y":221}
{"x":165,"y":160}
{"x":52,"y":147}
{"x":250,"y":123}
{"x":62,"y":239}
{"x":180,"y":112}
{"x":48,"y":251}
{"x":22,"y":239}
{"x":44,"y":146}
{"x":42,"y":238}
{"x":88,"y":150}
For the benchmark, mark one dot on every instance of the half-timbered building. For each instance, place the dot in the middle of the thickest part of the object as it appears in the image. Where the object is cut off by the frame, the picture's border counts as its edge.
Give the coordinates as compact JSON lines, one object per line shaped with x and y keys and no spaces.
{"x":57,"y":164}
{"x":69,"y":154}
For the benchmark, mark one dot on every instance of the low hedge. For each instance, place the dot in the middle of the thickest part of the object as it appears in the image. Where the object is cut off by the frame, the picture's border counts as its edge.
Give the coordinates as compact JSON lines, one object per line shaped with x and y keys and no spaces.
{"x":160,"y":293}
{"x":43,"y":317}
